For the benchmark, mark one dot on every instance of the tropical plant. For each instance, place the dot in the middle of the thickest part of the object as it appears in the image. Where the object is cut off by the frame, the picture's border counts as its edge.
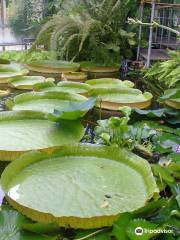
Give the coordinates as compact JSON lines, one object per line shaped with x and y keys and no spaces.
{"x":90,"y":30}
{"x":52,"y":7}
{"x":116,"y":131}
{"x":26,"y":19}
{"x":164,"y":75}
{"x":146,"y":136}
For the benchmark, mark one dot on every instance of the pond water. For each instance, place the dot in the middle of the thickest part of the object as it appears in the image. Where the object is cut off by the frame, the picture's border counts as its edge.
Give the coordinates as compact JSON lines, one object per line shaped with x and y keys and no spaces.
{"x":11,"y":95}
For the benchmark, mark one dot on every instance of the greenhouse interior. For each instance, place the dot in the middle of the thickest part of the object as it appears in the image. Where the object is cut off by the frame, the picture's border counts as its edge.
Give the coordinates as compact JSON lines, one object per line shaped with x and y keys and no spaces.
{"x":89,"y":120}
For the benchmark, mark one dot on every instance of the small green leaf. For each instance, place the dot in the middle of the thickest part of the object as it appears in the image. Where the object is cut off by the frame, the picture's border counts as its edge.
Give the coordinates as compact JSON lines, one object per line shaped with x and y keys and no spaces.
{"x":170,"y":94}
{"x":138,"y":229}
{"x":151,"y":207}
{"x":151,"y":113}
{"x":119,"y":227}
{"x":11,"y":226}
{"x":178,"y":199}
{"x":163,"y":173}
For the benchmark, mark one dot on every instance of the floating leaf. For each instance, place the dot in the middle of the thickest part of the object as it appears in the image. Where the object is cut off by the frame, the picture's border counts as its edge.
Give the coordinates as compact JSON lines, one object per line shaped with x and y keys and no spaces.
{"x":74,"y":111}
{"x":74,"y":87}
{"x":8,"y":71}
{"x":114,"y":98}
{"x":53,"y":66}
{"x":45,"y":102}
{"x":109,"y":82}
{"x":151,"y":113}
{"x":23,"y":131}
{"x":79,"y":179}
{"x":28,"y":82}
{"x":172,"y":98}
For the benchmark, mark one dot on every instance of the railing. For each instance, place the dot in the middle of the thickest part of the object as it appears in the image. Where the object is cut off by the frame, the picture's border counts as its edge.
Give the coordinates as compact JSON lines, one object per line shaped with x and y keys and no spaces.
{"x":26,"y":43}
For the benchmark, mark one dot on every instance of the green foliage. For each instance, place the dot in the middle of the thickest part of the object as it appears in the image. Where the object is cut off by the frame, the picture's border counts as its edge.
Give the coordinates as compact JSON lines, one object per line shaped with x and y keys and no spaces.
{"x":52,"y":7}
{"x":12,"y":227}
{"x":24,"y":22}
{"x":115,"y":131}
{"x":161,"y":214}
{"x":26,"y":56}
{"x":94,"y":28}
{"x":164,"y":75}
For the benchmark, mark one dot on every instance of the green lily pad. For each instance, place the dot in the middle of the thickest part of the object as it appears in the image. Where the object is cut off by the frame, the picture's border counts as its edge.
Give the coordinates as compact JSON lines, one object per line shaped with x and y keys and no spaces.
{"x":81,"y":186}
{"x":74,"y":87}
{"x":74,"y":111}
{"x":109,"y":82}
{"x":74,"y":76}
{"x":97,"y":68}
{"x":172,"y":98}
{"x":53,"y":66}
{"x":45,"y":102}
{"x":45,"y":85}
{"x":114,"y":98}
{"x":23,"y":131}
{"x":28,"y":82}
{"x":70,"y":87}
{"x":8,"y":71}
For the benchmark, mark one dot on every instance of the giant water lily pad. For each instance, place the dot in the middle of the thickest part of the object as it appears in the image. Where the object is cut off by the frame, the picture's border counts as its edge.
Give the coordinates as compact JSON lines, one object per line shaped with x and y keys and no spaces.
{"x":109,"y":82}
{"x":172,"y":98}
{"x":22,"y":131}
{"x":83,"y":186}
{"x":74,"y":76}
{"x":64,"y":86}
{"x":74,"y":111}
{"x":52,"y":66}
{"x":8,"y":71}
{"x":114,"y":98}
{"x":45,"y":102}
{"x":28,"y":82}
{"x":92,"y":67}
{"x":74,"y":87}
